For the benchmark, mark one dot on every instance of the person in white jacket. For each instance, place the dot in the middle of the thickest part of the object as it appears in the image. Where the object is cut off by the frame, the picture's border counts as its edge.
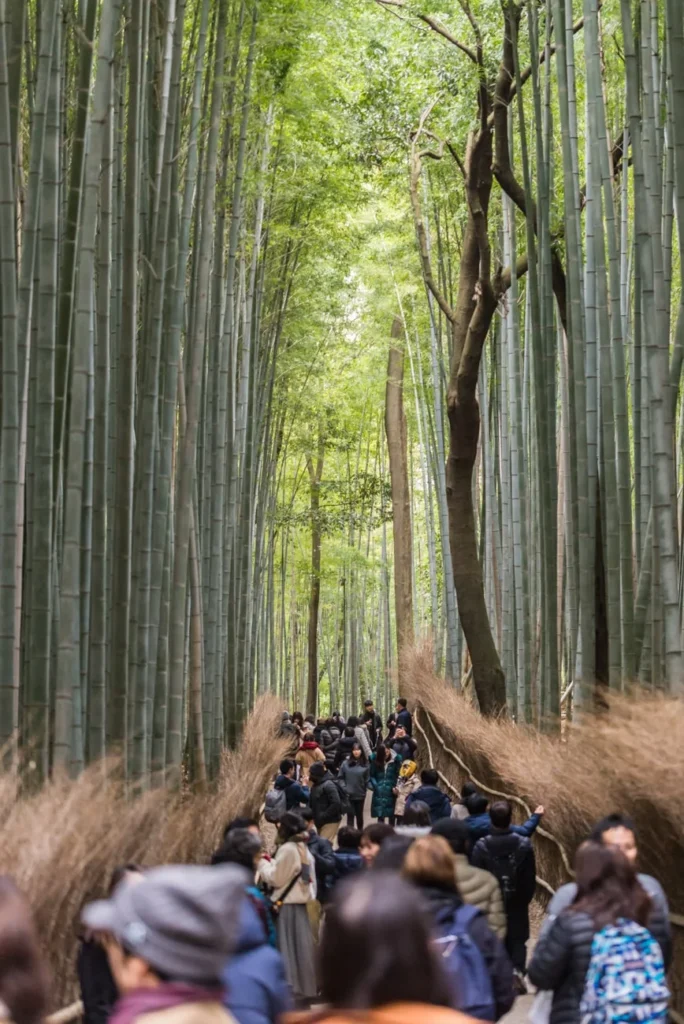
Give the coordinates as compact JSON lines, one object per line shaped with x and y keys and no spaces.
{"x":292,"y":877}
{"x":361,"y":734}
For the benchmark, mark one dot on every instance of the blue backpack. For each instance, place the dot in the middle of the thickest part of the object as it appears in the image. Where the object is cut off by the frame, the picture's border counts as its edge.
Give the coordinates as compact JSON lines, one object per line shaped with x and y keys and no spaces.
{"x":465,"y":965}
{"x":626,"y":978}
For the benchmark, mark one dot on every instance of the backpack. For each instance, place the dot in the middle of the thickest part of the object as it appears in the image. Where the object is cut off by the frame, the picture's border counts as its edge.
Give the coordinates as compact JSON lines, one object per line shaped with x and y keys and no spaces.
{"x":465,"y":965}
{"x":626,"y":978}
{"x":344,"y":796}
{"x":505,"y":867}
{"x":275,"y":805}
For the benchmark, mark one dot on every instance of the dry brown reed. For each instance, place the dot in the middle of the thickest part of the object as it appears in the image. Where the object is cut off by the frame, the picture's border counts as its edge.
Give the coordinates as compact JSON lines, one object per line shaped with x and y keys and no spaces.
{"x":630,"y":759}
{"x":62,"y":844}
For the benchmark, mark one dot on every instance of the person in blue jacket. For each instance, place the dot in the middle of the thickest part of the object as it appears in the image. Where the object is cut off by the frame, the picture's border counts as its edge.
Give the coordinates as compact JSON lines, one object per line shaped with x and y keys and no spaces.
{"x":430,"y":794}
{"x":348,"y":859}
{"x":480,"y":824}
{"x":295,"y":793}
{"x":256,"y":988}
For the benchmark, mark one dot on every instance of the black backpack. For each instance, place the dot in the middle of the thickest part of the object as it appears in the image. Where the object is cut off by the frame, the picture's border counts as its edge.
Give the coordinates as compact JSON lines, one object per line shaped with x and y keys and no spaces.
{"x":505,"y":866}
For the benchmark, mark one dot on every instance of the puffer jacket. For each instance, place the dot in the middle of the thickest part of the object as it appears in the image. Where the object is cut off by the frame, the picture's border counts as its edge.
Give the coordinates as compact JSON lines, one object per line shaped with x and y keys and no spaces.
{"x":256,"y":989}
{"x":355,"y":776}
{"x":405,"y":787}
{"x":345,"y":745}
{"x":481,"y":889}
{"x":326,"y":802}
{"x":437,"y":801}
{"x":382,"y":782}
{"x":480,"y":826}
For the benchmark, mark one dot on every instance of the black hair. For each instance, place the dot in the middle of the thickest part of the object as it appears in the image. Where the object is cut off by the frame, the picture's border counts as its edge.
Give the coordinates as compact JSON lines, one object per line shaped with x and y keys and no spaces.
{"x":291,"y":824}
{"x":392,"y":854}
{"x":357,"y":760}
{"x":402,"y":702}
{"x":307,"y":814}
{"x":477,"y":804}
{"x":286,"y":766}
{"x":239,"y":847}
{"x":240,"y":823}
{"x":417,"y":813}
{"x":501,"y":814}
{"x":429,"y":777}
{"x":468,"y":789}
{"x":352,"y":722}
{"x":367,"y":922}
{"x":377,"y":833}
{"x":348,"y":731}
{"x":609,"y":822}
{"x":368,"y":703}
{"x":348,"y":838}
{"x":311,"y":719}
{"x":456,"y":833}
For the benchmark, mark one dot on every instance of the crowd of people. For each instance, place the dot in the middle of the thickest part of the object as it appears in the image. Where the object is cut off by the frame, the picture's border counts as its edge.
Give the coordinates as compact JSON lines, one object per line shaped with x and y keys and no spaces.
{"x":420,"y":915}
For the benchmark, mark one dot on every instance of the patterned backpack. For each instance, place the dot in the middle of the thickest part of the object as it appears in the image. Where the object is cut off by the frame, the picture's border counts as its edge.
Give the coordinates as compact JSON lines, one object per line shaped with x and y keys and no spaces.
{"x":625,"y":982}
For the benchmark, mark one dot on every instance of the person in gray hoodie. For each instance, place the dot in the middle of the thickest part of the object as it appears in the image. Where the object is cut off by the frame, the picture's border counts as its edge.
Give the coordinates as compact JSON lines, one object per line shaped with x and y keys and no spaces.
{"x":355,"y":773}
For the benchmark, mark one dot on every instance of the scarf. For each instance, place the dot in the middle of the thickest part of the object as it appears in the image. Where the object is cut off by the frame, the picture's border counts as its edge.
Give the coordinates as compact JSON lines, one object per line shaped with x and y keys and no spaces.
{"x":169,"y":995}
{"x":309,"y":745}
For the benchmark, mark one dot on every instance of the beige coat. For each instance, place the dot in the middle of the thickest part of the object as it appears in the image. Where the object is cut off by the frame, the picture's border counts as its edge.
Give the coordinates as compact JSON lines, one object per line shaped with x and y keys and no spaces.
{"x":482,"y":890}
{"x":404,"y":789}
{"x":286,"y":865}
{"x":190,"y":1013}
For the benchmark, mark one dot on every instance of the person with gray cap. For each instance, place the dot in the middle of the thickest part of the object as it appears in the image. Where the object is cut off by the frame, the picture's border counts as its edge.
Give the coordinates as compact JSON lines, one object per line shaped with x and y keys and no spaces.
{"x":169,"y":938}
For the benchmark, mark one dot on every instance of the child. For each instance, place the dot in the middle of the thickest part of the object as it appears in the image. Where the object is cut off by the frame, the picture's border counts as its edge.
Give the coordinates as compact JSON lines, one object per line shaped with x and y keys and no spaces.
{"x":407,"y":783}
{"x":348,"y":860}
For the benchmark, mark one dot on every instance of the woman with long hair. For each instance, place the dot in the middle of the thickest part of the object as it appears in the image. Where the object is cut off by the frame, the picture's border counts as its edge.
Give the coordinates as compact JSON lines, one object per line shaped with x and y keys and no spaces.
{"x":384,"y":773}
{"x":610,"y":902}
{"x":24,"y":982}
{"x":355,"y":773}
{"x":431,"y":865}
{"x":377,"y":963}
{"x":291,"y":875}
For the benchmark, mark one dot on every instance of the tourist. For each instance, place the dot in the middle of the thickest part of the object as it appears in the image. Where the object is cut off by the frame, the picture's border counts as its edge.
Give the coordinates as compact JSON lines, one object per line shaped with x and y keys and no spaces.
{"x":477,"y":887}
{"x":326,"y":802}
{"x":510,"y":858}
{"x":237,"y":824}
{"x":459,"y":809}
{"x":480,"y":823}
{"x":407,"y":783}
{"x":295,"y":793}
{"x":378,"y":964}
{"x":345,"y":745}
{"x":348,"y":859}
{"x":392,"y":853}
{"x":324,"y":855}
{"x":309,"y":753}
{"x":429,"y":793}
{"x":487,"y":995}
{"x":298,"y":721}
{"x":404,"y":718}
{"x":360,"y":734}
{"x":24,"y":980}
{"x":384,"y":774}
{"x":611,"y":901}
{"x":354,"y":775}
{"x":256,"y":988}
{"x":402,"y":744}
{"x":242,"y":847}
{"x":372,"y":839}
{"x":416,"y":821}
{"x":373,"y":722}
{"x":169,"y":938}
{"x":292,"y":877}
{"x":619,"y":831}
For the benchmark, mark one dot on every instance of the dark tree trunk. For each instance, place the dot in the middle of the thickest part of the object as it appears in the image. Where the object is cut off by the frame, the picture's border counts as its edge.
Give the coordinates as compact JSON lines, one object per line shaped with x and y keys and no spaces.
{"x":315,"y":476}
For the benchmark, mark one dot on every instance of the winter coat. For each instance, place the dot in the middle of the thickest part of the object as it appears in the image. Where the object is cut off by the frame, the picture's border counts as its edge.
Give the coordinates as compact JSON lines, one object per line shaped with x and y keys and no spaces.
{"x":345,"y":746}
{"x":404,"y":718}
{"x":459,"y":811}
{"x":437,"y":801}
{"x":502,"y":844}
{"x":361,"y":735}
{"x":190,"y":1013}
{"x":405,"y":787}
{"x":287,"y":864}
{"x":482,"y":890}
{"x":355,"y":777}
{"x":324,"y":855}
{"x":405,"y":748}
{"x":347,"y":862}
{"x":326,"y":802}
{"x":441,"y":906}
{"x":308,"y":754}
{"x":480,"y":825}
{"x":98,"y":988}
{"x":256,"y":988}
{"x":395,"y":1013}
{"x":413,"y":831}
{"x":373,"y":722}
{"x":295,"y":793}
{"x":382,"y":782}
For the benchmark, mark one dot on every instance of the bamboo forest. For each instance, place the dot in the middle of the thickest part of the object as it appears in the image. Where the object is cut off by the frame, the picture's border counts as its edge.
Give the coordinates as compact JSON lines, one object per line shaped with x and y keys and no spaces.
{"x":329,"y":328}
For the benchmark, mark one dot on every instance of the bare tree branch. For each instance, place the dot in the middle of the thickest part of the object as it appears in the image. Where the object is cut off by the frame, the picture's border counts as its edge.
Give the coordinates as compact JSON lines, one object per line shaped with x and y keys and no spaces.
{"x":437,"y":27}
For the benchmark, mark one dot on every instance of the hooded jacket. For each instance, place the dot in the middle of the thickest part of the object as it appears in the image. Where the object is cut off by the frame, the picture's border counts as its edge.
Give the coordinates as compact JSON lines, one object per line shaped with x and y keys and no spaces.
{"x":437,"y":801}
{"x":480,"y":825}
{"x":395,"y":1013}
{"x":295,"y":793}
{"x":345,"y":745}
{"x":326,"y":802}
{"x":481,"y":889}
{"x":501,"y":844}
{"x":382,"y":782}
{"x":256,"y":989}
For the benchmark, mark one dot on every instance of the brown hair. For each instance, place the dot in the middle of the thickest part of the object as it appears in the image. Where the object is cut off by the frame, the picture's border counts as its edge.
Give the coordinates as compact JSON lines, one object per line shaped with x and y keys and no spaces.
{"x":608,"y":887}
{"x":430,"y":862}
{"x":23,"y":976}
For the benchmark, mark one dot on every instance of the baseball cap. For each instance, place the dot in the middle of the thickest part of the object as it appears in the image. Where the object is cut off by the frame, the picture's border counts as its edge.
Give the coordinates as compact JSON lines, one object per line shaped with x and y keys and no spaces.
{"x":182,"y":920}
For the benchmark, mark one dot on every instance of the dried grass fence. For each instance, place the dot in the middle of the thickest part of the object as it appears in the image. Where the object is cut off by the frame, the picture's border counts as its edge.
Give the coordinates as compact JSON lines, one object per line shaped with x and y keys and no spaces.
{"x":629,"y":760}
{"x":62,"y":844}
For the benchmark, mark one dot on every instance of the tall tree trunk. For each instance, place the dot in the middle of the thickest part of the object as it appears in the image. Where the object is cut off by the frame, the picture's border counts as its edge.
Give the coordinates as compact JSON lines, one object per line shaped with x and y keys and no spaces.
{"x":315,"y":477}
{"x":395,"y":428}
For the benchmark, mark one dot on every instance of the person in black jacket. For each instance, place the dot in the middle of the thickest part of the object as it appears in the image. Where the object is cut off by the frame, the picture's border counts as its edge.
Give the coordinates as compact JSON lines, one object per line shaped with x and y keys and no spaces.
{"x":373,"y":721}
{"x":99,"y":993}
{"x":510,"y":858}
{"x":608,"y":889}
{"x":430,"y":864}
{"x":403,"y":745}
{"x":326,"y":802}
{"x":323,"y":854}
{"x":404,"y":716}
{"x":345,"y":745}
